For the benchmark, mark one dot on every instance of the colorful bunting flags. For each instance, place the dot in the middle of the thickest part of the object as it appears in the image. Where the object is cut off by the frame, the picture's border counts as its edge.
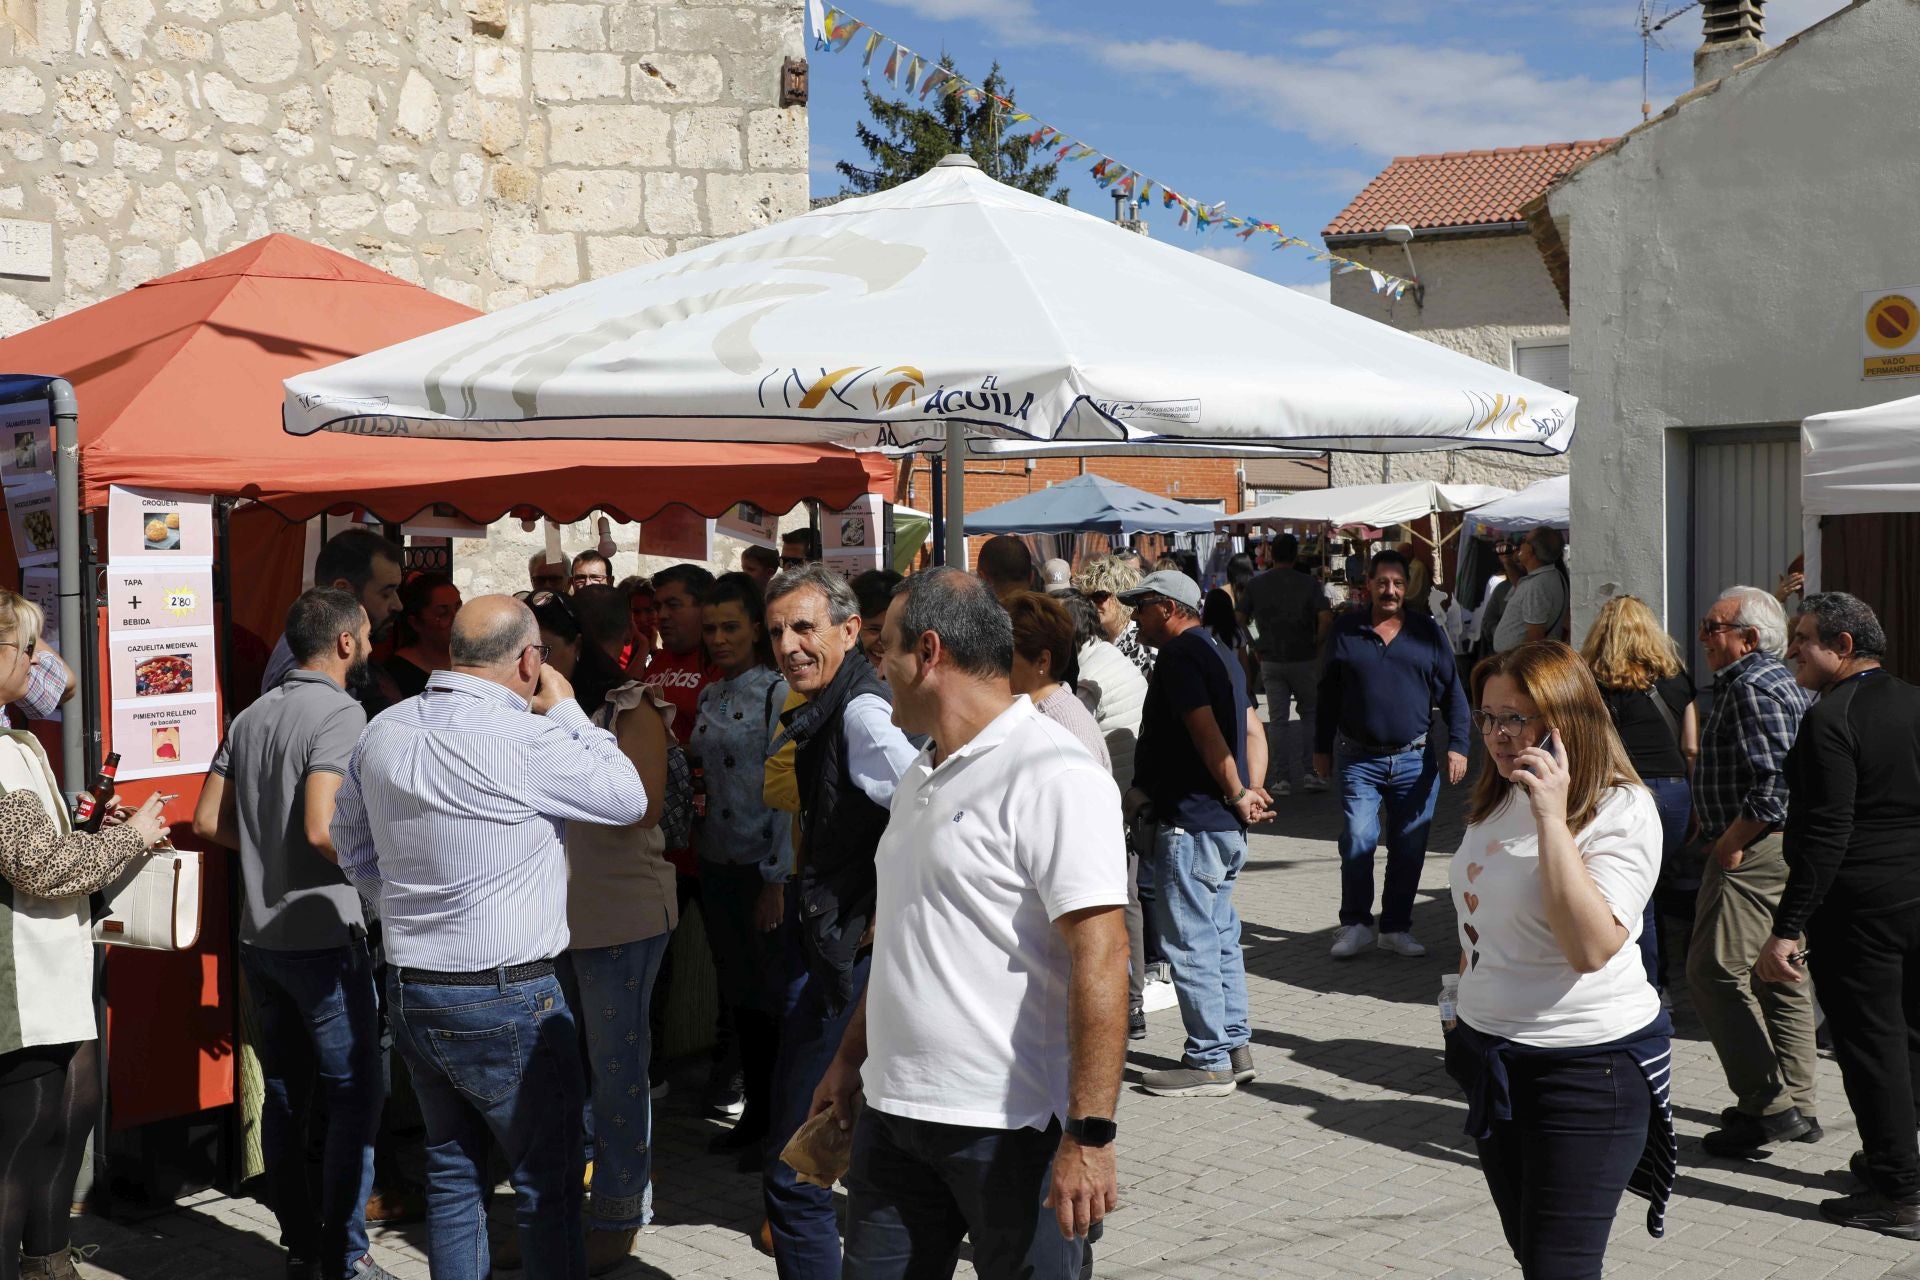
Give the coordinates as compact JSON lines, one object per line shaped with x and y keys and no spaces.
{"x":834,"y":29}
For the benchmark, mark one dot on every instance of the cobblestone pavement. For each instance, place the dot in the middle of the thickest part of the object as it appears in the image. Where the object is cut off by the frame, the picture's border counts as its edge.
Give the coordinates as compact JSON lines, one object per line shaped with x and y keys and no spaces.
{"x":1345,"y":1158}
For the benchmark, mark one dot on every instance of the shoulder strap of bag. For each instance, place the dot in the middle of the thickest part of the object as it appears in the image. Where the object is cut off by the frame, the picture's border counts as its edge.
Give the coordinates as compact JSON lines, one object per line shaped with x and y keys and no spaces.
{"x":1666,"y":712}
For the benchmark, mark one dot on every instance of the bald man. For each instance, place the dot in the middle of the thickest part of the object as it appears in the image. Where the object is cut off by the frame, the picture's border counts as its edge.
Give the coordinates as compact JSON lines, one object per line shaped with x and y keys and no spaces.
{"x":449,"y":822}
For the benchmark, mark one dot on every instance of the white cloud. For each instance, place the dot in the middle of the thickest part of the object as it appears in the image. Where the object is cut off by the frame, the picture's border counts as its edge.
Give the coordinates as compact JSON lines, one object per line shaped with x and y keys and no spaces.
{"x":1232,"y":255}
{"x":1392,"y":99}
{"x":987,"y":11}
{"x":1321,"y":289}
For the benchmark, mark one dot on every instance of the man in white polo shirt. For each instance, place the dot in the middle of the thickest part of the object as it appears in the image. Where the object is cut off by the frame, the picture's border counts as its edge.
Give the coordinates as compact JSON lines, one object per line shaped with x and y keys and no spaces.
{"x":993,"y":1031}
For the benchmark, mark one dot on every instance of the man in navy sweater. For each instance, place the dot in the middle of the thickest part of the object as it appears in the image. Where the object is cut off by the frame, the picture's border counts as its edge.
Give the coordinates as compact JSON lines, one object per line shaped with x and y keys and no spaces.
{"x":1385,"y":672}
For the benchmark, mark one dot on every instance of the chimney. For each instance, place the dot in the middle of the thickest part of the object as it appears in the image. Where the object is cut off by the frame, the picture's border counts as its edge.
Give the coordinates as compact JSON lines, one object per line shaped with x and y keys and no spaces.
{"x":1734,"y":30}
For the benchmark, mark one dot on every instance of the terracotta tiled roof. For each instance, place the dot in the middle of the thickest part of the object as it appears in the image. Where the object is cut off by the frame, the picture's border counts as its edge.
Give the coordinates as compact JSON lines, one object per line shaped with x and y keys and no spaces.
{"x":1461,"y":188}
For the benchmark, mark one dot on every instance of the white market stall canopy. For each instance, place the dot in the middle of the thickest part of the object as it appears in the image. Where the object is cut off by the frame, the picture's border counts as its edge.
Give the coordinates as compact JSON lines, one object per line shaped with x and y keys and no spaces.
{"x":1546,"y":502}
{"x":1856,"y":462}
{"x":1374,"y":505}
{"x":951,"y":299}
{"x":1861,"y":461}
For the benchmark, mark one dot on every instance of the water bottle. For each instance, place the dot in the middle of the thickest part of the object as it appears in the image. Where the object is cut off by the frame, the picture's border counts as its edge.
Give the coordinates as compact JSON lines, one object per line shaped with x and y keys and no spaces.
{"x":1449,"y":1001}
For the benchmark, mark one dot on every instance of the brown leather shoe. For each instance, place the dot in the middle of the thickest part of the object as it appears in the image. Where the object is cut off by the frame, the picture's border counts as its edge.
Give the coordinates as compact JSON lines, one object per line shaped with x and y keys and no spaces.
{"x":608,"y":1249}
{"x":397,"y":1206}
{"x":763,"y":1238}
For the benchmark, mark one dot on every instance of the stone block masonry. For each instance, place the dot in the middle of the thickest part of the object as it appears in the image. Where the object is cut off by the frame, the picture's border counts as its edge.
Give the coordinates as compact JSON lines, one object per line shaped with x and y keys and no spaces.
{"x":490,"y":150}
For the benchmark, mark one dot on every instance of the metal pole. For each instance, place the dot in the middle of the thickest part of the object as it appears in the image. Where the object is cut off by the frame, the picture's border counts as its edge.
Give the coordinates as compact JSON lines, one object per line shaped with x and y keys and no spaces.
{"x":939,"y":507}
{"x":956,"y":495}
{"x":66,"y":478}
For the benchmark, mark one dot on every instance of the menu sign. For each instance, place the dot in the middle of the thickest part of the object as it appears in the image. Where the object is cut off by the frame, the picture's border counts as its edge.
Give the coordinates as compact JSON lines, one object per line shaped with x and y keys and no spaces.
{"x":161,"y":659}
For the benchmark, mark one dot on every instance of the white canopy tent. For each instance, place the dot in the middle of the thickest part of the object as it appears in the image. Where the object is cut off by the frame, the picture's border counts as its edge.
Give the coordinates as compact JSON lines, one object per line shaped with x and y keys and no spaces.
{"x":1375,"y":505}
{"x":949,"y":300}
{"x":1857,"y":462}
{"x":1546,"y":502}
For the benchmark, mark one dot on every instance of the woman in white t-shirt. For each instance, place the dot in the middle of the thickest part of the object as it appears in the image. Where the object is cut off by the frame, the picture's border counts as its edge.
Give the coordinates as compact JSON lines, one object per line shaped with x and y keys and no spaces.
{"x":1560,"y":1041}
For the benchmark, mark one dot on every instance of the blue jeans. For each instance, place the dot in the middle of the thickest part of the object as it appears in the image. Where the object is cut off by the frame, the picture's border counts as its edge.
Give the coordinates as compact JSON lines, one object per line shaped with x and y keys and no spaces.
{"x":1403,"y":787}
{"x":806,"y":1235}
{"x":1673,"y":797}
{"x":319,"y":1032}
{"x":1199,"y":930}
{"x":1557,"y":1168}
{"x":500,"y":1061}
{"x":915,"y":1188}
{"x":615,"y":990}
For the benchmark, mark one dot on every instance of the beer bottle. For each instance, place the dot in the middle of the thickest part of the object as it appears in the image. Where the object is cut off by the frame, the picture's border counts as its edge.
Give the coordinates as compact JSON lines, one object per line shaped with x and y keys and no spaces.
{"x":91,"y":809}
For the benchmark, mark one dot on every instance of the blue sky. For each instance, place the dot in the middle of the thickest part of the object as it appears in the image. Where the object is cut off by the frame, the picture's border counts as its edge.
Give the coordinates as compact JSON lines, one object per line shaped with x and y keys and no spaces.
{"x":1283,"y":108}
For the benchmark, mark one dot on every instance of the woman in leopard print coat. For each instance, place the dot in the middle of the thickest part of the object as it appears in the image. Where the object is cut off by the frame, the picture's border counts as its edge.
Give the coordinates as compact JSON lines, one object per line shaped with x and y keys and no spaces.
{"x":49,"y":1065}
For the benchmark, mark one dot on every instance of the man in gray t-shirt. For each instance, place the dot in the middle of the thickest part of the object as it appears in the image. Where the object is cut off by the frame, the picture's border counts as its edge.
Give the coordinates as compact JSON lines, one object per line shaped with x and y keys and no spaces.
{"x":1290,"y":617}
{"x":1536,"y":607}
{"x":303,"y":942}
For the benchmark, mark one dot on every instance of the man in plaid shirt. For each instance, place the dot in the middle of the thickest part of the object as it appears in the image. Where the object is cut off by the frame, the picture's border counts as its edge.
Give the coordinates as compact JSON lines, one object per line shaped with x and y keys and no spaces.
{"x":1762,"y":1031}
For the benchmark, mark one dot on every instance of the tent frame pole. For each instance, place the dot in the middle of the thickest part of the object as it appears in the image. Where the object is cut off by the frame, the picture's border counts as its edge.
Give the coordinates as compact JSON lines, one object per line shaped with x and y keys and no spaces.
{"x":66,"y":471}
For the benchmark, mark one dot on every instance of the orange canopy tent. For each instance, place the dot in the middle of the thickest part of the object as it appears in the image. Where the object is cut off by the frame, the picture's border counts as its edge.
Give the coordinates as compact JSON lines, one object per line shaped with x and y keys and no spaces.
{"x":178,"y":384}
{"x":179,"y":387}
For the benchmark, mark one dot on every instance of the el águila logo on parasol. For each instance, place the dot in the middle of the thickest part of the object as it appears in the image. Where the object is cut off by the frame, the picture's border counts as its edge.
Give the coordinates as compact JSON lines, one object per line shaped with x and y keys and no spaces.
{"x":1893,"y":322}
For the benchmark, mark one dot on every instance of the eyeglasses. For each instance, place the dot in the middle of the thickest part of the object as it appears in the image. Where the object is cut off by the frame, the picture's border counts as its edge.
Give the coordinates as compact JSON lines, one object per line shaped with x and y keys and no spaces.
{"x":590,"y":579}
{"x":544,"y":650}
{"x":1507,"y":726}
{"x":1709,"y":628}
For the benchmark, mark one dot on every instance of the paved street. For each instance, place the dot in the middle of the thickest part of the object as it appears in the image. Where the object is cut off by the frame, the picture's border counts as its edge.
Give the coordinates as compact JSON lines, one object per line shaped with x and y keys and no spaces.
{"x":1344,"y":1159}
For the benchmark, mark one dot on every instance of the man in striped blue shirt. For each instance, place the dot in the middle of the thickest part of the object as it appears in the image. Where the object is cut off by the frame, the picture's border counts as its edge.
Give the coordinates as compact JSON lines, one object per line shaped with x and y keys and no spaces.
{"x":449,"y":822}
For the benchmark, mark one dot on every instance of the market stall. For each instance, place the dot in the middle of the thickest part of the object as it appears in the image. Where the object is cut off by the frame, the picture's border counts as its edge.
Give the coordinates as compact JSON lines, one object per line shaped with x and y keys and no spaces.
{"x":175,"y":388}
{"x":1547,"y":503}
{"x":947,"y":307}
{"x":1067,"y":518}
{"x":1860,"y":501}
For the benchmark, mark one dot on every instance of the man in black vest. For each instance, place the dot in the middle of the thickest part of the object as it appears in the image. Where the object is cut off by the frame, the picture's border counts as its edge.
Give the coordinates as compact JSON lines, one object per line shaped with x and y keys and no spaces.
{"x":848,"y":756}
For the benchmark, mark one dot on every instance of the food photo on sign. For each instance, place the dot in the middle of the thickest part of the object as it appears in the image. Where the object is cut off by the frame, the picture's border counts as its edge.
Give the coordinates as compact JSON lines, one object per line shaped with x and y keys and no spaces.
{"x":30,"y":511}
{"x":161,"y":664}
{"x":150,"y":524}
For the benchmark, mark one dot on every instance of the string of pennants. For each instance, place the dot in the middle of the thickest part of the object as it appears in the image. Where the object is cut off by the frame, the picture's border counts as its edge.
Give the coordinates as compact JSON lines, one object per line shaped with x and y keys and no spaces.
{"x":836,"y":30}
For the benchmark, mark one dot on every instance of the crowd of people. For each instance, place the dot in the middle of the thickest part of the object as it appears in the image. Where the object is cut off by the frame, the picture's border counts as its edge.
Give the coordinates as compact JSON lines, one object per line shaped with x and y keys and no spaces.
{"x":940,"y":831}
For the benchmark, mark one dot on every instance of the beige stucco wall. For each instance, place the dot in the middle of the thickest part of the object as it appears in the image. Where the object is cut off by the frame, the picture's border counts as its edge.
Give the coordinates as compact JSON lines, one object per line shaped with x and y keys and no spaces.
{"x":488,"y":149}
{"x":1718,"y":257}
{"x":1482,"y":294}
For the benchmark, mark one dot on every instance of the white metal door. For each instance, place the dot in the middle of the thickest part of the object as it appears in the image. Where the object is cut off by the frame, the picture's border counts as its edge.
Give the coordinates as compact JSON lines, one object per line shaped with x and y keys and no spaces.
{"x":1746,"y":518}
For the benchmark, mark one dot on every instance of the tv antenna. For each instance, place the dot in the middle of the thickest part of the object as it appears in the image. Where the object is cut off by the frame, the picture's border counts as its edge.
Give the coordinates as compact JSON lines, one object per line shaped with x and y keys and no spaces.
{"x":1651,"y":21}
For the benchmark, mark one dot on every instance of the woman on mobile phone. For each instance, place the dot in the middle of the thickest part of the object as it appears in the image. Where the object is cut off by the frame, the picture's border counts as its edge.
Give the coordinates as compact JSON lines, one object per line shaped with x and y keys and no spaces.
{"x":1561,"y":1044}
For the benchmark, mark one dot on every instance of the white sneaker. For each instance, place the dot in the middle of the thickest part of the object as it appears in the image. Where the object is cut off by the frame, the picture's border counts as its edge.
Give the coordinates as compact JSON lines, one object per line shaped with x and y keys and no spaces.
{"x":1315,"y":782}
{"x":1280,"y":788}
{"x":1401,"y":944}
{"x":1349,"y":940}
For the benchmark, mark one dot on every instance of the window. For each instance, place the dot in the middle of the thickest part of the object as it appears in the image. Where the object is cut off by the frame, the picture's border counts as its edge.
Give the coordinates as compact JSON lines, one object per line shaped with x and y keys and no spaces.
{"x":1546,"y":361}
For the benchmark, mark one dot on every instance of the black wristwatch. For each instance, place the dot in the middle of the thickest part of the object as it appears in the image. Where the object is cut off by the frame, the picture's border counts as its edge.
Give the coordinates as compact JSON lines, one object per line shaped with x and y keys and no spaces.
{"x":1092,"y":1131}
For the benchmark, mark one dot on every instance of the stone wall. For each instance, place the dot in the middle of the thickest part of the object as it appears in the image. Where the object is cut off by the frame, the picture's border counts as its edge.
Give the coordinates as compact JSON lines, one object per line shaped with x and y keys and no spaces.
{"x":490,"y":150}
{"x":1482,"y":294}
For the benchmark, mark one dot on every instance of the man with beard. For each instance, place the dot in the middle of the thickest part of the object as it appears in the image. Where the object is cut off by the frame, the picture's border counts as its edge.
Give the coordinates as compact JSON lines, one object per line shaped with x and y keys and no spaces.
{"x":366,"y":566}
{"x":303,"y":941}
{"x":847,"y":761}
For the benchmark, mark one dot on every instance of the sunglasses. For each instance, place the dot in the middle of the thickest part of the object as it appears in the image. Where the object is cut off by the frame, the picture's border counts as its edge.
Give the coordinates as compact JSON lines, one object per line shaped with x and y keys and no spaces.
{"x":1710,"y":629}
{"x":1098,"y":598}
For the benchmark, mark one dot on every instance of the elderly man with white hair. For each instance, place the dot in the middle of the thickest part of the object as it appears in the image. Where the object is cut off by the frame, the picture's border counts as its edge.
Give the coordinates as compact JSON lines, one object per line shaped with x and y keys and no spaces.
{"x":1763,"y":1032}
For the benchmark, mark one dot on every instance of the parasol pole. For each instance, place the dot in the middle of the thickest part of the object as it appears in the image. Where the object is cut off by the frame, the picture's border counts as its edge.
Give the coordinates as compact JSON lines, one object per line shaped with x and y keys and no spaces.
{"x":66,"y":472}
{"x":956,"y":495}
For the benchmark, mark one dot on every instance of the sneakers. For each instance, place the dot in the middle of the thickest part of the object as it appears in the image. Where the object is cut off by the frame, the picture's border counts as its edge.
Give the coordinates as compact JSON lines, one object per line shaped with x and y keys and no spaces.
{"x":1314,"y":782}
{"x":1136,"y":1024}
{"x":727,"y":1095}
{"x":1240,"y":1061}
{"x":368,"y":1269}
{"x":1189,"y":1082}
{"x":608,"y":1249}
{"x":1280,"y":787}
{"x":1871,"y":1211}
{"x":1742,"y":1136}
{"x":1349,"y":940}
{"x":1401,"y":944}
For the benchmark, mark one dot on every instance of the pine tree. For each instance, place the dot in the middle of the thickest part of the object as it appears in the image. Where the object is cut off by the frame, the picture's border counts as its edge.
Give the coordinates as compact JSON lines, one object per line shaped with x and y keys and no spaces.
{"x":906,"y":138}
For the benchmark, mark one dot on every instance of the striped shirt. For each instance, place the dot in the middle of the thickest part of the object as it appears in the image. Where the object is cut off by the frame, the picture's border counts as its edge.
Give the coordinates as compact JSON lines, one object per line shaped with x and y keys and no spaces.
{"x":449,"y":821}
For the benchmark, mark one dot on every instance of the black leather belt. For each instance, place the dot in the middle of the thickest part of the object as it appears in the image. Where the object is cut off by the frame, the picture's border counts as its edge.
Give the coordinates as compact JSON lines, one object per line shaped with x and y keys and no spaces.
{"x":479,"y":977}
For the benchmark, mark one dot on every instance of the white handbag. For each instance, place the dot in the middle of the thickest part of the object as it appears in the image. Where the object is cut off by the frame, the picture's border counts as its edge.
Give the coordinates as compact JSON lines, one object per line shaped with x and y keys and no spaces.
{"x":154,"y":904}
